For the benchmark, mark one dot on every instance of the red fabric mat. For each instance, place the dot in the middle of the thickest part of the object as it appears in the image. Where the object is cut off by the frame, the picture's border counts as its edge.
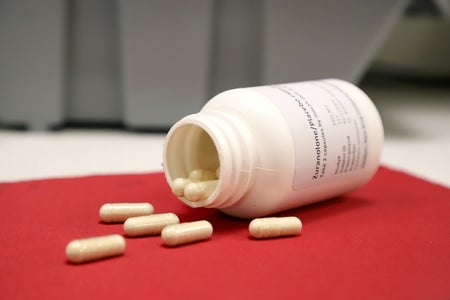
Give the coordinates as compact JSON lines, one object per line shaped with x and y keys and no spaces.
{"x":388,"y":240}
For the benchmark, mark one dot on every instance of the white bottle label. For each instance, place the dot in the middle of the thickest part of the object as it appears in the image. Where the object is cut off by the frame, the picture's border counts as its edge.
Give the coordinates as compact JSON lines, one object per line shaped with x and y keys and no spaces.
{"x":328,"y":129}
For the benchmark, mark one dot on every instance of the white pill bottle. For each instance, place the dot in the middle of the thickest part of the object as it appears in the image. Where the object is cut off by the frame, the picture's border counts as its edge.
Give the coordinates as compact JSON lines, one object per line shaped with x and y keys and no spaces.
{"x":278,"y":146}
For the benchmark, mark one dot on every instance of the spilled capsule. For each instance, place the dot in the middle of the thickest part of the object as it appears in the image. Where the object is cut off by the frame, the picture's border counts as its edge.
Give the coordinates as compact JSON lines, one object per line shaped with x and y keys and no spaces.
{"x":119,"y":212}
{"x":149,"y":225}
{"x":274,"y":227}
{"x":94,"y":248}
{"x":183,"y":233}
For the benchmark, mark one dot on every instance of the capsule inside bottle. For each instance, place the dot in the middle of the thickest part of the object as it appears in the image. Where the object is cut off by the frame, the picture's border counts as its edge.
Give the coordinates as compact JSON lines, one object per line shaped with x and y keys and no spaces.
{"x":193,"y":164}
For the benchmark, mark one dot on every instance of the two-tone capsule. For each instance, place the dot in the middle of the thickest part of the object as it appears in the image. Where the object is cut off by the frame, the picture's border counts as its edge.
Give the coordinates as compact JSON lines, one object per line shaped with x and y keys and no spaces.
{"x":261,"y":228}
{"x":119,"y":212}
{"x":189,"y":232}
{"x":149,"y":225}
{"x":95,"y":248}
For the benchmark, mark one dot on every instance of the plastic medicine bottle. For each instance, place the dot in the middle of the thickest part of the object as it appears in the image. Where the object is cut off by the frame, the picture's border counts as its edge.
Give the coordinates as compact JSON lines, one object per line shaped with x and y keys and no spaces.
{"x":279,"y":146}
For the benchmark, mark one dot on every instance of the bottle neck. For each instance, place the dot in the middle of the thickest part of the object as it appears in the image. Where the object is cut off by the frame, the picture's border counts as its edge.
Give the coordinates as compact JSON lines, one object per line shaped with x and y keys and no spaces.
{"x":208,"y":140}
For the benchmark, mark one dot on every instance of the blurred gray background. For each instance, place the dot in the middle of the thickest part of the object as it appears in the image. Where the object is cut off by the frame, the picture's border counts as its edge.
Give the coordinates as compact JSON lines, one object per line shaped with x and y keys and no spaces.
{"x":124,"y":67}
{"x":146,"y":63}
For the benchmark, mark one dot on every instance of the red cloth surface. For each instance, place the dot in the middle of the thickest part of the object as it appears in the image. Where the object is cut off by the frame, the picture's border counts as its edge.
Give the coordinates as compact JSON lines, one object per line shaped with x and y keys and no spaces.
{"x":387,"y":240}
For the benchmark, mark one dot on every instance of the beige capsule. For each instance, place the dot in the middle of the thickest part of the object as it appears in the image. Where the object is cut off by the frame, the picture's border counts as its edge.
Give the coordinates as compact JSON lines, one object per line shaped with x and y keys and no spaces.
{"x":178,"y":186}
{"x":261,"y":228}
{"x":95,"y":248}
{"x":201,"y":175}
{"x":119,"y":212}
{"x":183,"y":233}
{"x":149,"y":225}
{"x":199,"y":191}
{"x":218,"y":173}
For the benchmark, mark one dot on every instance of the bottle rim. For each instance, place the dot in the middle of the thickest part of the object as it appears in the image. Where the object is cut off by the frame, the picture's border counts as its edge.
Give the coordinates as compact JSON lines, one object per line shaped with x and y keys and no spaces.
{"x":220,"y":139}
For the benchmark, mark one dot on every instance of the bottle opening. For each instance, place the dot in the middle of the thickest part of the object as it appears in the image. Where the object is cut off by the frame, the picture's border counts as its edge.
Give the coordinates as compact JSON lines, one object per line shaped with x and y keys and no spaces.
{"x":190,"y":147}
{"x":191,"y":162}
